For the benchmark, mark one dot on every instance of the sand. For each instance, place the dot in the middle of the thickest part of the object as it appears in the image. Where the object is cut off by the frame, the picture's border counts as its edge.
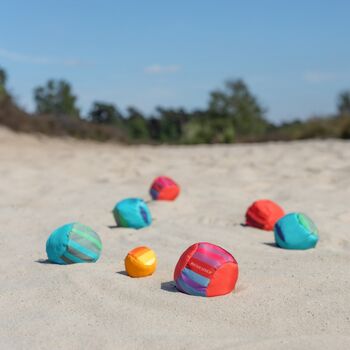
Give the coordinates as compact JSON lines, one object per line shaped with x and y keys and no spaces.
{"x":284,"y":299}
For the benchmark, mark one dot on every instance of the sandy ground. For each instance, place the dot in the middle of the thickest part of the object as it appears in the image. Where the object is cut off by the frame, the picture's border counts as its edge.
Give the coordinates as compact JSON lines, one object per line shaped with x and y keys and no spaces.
{"x":284,"y":299}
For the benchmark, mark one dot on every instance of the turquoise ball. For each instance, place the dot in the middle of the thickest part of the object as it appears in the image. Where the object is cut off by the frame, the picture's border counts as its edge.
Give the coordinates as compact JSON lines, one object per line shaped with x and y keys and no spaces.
{"x":133,"y":213}
{"x":73,"y":243}
{"x":296,"y":231}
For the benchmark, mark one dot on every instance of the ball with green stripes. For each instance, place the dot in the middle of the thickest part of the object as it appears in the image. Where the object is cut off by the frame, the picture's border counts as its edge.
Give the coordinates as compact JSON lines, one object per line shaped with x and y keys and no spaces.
{"x":73,"y":243}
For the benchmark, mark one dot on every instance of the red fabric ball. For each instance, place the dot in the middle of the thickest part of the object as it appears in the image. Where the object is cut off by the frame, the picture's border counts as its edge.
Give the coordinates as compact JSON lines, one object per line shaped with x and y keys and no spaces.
{"x":164,"y":188}
{"x":207,"y":270}
{"x":264,"y":214}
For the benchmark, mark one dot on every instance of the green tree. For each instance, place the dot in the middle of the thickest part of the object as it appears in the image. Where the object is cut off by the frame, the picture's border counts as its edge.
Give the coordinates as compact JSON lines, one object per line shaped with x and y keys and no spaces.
{"x":172,"y":122}
{"x":56,"y":98}
{"x":237,"y":103}
{"x":3,"y":79}
{"x":344,"y":103}
{"x":206,"y":127}
{"x":155,"y":128}
{"x":136,"y":125}
{"x":105,"y":113}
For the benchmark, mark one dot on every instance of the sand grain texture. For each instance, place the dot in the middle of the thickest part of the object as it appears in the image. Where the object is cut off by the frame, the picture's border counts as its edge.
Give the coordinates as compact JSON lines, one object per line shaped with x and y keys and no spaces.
{"x":284,"y":299}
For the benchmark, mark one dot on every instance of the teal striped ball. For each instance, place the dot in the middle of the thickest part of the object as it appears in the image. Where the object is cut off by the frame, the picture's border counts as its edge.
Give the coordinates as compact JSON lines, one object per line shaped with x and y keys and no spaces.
{"x":73,"y":243}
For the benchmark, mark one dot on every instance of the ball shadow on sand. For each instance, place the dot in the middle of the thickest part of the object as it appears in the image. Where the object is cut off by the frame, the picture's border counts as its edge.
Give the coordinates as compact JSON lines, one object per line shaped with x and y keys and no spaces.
{"x":122,"y":272}
{"x":271,"y":244}
{"x":43,"y":261}
{"x":169,"y":287}
{"x":113,"y":227}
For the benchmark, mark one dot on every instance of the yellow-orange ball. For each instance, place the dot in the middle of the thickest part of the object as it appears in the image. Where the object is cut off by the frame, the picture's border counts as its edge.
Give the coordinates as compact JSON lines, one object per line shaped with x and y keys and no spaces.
{"x":140,"y":262}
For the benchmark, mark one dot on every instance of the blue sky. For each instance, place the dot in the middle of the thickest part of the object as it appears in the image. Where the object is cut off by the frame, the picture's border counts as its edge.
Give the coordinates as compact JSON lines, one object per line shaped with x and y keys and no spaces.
{"x":294,"y":55}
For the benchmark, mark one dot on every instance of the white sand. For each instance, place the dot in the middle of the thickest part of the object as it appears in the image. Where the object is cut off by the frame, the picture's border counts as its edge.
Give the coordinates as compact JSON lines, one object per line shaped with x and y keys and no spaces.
{"x":284,"y":299}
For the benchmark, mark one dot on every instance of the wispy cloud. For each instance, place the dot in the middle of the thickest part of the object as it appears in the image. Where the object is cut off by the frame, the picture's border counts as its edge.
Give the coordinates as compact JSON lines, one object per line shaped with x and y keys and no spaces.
{"x":159,"y":69}
{"x":316,"y":77}
{"x":41,"y":60}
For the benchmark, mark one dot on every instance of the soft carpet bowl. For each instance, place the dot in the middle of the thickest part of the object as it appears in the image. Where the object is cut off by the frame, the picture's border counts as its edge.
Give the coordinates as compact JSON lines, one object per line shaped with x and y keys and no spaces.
{"x":164,"y":188}
{"x":206,"y":270}
{"x":296,"y":231}
{"x":133,"y":213}
{"x":140,"y":262}
{"x":264,"y":214}
{"x":73,"y":243}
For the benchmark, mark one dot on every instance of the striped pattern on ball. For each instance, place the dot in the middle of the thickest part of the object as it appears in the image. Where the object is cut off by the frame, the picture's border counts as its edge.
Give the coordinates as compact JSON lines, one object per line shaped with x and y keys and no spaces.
{"x":84,"y":245}
{"x":307,"y":223}
{"x":144,"y":255}
{"x":201,"y":265}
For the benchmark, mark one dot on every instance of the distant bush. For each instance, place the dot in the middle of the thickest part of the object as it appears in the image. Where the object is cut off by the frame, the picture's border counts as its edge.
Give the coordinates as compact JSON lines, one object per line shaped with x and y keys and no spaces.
{"x":14,"y":118}
{"x":233,"y":114}
{"x":105,"y":113}
{"x":171,"y":124}
{"x":206,"y":129}
{"x":317,"y":127}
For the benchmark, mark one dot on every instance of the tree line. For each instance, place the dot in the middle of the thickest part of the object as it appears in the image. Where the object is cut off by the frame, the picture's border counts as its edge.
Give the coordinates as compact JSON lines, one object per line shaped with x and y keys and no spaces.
{"x":232,"y":114}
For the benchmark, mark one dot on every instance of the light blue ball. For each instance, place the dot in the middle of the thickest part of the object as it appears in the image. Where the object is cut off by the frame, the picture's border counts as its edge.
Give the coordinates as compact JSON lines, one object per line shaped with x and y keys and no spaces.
{"x":132,"y":212}
{"x":296,"y":231}
{"x":73,"y":243}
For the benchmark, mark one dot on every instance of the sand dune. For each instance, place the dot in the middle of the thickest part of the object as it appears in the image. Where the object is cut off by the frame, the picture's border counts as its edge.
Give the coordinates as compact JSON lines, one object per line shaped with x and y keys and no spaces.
{"x":284,"y":299}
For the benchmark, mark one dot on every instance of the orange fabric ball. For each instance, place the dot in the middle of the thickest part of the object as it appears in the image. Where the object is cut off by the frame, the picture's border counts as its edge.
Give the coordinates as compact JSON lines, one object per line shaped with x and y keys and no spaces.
{"x":140,"y":262}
